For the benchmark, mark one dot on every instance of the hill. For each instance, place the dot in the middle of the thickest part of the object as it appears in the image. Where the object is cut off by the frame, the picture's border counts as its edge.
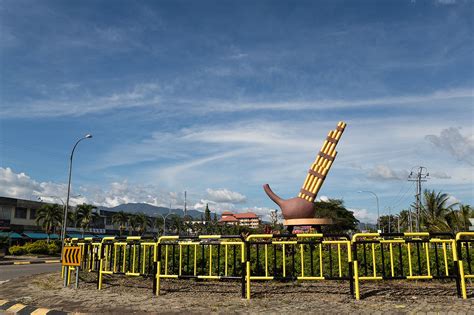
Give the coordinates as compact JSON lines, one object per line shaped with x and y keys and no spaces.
{"x":152,"y":210}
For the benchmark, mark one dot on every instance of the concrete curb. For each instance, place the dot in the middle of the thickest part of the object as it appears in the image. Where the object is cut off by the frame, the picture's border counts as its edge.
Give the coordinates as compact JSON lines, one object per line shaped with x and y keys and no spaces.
{"x":29,"y":262}
{"x":12,"y":307}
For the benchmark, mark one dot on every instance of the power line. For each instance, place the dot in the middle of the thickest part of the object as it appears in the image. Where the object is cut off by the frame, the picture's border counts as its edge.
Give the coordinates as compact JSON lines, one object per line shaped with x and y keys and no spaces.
{"x":402,"y":197}
{"x":420,"y":176}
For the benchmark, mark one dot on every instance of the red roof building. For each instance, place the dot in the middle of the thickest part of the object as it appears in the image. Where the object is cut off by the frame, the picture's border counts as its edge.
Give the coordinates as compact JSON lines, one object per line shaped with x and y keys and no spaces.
{"x":247,"y":219}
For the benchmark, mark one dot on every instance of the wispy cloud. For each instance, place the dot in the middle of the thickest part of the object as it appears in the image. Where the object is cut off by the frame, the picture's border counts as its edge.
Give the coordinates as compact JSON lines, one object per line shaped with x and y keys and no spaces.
{"x":151,"y":95}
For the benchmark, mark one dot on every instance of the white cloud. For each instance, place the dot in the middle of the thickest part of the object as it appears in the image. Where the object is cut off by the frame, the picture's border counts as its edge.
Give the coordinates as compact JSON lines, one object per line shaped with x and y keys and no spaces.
{"x":262,"y":212}
{"x":323,"y":199}
{"x":384,"y":172}
{"x":364,"y":216}
{"x":445,"y":2}
{"x":452,"y":141}
{"x":440,"y":175}
{"x":150,"y":94}
{"x":225,"y":195}
{"x":20,"y":185}
{"x":139,"y":95}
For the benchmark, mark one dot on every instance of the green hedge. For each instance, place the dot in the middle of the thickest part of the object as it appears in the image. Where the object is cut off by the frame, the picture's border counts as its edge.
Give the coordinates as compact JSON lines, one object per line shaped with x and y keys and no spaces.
{"x":39,"y":247}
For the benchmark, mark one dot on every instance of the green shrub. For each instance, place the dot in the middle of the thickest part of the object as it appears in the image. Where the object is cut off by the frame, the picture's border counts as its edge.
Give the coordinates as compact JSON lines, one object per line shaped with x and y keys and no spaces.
{"x":17,"y":250}
{"x":38,"y":247}
{"x":54,"y":248}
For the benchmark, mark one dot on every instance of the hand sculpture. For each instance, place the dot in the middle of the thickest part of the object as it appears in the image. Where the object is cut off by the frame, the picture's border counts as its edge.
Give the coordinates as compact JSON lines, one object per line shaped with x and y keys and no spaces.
{"x":303,"y":206}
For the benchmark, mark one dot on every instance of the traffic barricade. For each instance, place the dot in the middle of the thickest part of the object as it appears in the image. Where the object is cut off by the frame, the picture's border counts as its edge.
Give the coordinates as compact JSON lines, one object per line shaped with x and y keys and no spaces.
{"x":129,"y":256}
{"x":396,"y":256}
{"x":465,"y":255}
{"x":216,"y":257}
{"x":90,"y":249}
{"x":300,"y":257}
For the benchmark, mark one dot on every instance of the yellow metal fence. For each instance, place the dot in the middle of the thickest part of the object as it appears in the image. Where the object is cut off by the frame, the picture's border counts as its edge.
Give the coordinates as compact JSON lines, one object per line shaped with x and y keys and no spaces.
{"x":301,"y":257}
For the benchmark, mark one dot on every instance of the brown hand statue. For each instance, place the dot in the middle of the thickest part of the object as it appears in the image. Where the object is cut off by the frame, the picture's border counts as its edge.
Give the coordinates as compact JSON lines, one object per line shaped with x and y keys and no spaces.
{"x":302,"y":206}
{"x":293,"y":208}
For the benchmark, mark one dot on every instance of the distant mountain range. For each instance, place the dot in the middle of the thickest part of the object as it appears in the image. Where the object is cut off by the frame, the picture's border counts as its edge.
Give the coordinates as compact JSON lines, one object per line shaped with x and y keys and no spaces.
{"x":153,"y":210}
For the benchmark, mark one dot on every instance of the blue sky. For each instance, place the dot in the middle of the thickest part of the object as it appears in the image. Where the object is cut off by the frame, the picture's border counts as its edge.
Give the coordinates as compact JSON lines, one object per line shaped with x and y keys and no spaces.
{"x":220,"y":97}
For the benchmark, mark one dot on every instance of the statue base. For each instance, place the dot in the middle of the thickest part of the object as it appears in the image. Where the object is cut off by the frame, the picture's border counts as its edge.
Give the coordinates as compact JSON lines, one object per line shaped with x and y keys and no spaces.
{"x":313,"y":222}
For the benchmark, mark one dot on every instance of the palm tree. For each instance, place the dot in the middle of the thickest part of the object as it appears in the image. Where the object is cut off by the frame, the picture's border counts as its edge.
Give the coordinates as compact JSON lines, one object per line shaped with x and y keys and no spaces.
{"x":435,"y":211}
{"x":49,"y":216}
{"x":121,"y":219}
{"x":133,"y":223}
{"x":143,"y":222}
{"x":176,"y":224}
{"x":464,"y":214}
{"x":85,"y":215}
{"x":404,"y":218}
{"x":158,"y":224}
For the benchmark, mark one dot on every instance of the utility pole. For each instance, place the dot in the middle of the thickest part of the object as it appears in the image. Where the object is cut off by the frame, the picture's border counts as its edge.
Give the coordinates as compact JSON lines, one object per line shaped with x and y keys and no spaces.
{"x":420,"y":176}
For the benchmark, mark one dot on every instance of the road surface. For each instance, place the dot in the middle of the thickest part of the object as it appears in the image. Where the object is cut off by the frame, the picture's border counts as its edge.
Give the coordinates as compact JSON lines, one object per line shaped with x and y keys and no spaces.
{"x":11,"y":272}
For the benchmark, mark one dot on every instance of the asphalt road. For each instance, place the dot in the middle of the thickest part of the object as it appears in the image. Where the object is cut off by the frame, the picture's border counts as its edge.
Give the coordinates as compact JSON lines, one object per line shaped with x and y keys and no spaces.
{"x":11,"y":272}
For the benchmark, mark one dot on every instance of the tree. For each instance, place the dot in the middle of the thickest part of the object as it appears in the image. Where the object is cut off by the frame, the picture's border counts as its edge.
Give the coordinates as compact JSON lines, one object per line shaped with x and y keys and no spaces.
{"x":404,"y":217}
{"x":49,"y":216}
{"x":176,"y":224}
{"x":465,"y":213}
{"x":388,"y":223}
{"x":435,"y":211}
{"x":121,"y":219}
{"x":85,"y":215}
{"x":207,"y":214}
{"x":343,"y":219}
{"x":133,"y":222}
{"x":143,"y":222}
{"x":158,"y":224}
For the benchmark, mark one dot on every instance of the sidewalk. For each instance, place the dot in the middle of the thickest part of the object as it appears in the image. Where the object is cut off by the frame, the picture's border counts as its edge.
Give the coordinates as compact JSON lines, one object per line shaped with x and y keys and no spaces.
{"x":25,"y":260}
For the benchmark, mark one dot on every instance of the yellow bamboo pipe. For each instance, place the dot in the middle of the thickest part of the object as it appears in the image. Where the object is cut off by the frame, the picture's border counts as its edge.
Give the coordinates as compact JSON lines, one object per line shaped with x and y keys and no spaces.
{"x":312,"y":181}
{"x":322,"y":163}
{"x":323,"y":171}
{"x":316,"y":160}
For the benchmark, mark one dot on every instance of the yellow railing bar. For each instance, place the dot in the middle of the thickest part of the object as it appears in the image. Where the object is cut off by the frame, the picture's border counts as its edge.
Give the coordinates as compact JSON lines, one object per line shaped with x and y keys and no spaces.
{"x":371,"y":278}
{"x":225,"y":260}
{"x":374,"y":266}
{"x":260,"y":278}
{"x":339,"y":259}
{"x":392,"y":269}
{"x":284,"y":260}
{"x":409,"y":259}
{"x":180,"y":256}
{"x":461,"y":234}
{"x":310,"y":278}
{"x":166,"y":259}
{"x":427,"y":251}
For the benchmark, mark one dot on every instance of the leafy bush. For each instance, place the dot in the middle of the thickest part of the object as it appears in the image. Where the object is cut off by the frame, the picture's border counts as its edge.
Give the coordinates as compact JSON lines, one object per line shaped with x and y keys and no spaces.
{"x":17,"y":250}
{"x":38,"y":247}
{"x":54,"y":248}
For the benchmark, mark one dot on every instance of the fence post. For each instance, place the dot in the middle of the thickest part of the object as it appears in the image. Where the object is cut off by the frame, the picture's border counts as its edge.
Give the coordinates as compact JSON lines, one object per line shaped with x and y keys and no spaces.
{"x":243,"y":265}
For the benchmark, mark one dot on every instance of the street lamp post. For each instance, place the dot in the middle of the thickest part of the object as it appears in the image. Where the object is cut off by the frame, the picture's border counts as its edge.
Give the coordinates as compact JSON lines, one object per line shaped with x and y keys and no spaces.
{"x":378,"y":210}
{"x":164,"y":220}
{"x":63,"y":232}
